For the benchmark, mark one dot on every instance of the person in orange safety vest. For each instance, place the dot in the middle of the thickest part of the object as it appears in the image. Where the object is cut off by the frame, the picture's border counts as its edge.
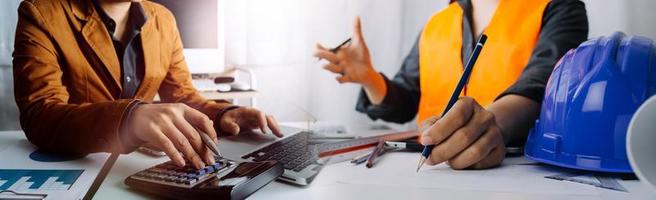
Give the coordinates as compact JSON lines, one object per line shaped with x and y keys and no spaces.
{"x":502,"y":97}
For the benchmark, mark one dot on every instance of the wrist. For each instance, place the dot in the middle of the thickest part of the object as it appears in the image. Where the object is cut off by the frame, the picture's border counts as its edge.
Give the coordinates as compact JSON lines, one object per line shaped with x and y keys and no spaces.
{"x":515,"y":116}
{"x":127,"y":135}
{"x":371,"y":78}
{"x":375,"y":87}
{"x":220,"y":115}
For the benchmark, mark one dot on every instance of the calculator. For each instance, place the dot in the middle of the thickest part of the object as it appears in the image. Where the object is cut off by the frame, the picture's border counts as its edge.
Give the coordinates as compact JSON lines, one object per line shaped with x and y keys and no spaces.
{"x":225,"y":179}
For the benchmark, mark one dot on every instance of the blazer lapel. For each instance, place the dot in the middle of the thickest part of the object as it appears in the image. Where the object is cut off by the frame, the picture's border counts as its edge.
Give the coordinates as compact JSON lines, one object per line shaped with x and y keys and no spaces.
{"x":96,"y":36}
{"x":150,"y":42}
{"x":151,"y":51}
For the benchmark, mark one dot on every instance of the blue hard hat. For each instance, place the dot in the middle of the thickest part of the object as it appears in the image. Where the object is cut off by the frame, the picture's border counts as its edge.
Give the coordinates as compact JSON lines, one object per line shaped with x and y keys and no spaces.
{"x":592,"y":93}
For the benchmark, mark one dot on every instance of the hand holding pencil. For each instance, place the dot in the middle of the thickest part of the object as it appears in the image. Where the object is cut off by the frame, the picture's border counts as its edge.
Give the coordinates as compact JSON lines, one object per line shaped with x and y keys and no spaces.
{"x":352,"y":62}
{"x":466,"y":134}
{"x":466,"y":137}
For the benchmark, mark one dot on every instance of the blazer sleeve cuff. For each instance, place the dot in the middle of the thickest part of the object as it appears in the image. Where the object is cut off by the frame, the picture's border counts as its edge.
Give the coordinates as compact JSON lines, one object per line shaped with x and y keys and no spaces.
{"x":128,"y":141}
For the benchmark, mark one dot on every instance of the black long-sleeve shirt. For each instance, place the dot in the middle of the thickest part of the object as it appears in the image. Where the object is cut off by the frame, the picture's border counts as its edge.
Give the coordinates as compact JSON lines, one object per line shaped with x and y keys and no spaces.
{"x":564,"y":26}
{"x":131,"y":59}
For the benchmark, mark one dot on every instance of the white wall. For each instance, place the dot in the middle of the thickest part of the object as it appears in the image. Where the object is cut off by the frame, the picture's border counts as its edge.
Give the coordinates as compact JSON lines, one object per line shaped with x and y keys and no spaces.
{"x":8,"y":109}
{"x":8,"y":18}
{"x":280,"y":47}
{"x":277,"y":37}
{"x":636,"y":17}
{"x":390,"y":28}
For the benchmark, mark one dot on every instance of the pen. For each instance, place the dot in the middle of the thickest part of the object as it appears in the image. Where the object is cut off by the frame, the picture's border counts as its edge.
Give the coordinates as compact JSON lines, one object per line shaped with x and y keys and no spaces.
{"x":209,"y":143}
{"x":412,"y":146}
{"x":360,"y":159}
{"x":364,"y":157}
{"x":334,"y":50}
{"x":456,"y":93}
{"x":372,"y":157}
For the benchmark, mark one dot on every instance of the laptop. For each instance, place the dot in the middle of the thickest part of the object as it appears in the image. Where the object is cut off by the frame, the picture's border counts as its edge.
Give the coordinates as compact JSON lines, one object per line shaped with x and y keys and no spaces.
{"x":297,"y":153}
{"x":303,"y":153}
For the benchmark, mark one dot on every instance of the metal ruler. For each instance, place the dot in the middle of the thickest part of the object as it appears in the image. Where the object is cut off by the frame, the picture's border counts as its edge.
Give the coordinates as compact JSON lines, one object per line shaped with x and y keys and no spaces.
{"x":334,"y":148}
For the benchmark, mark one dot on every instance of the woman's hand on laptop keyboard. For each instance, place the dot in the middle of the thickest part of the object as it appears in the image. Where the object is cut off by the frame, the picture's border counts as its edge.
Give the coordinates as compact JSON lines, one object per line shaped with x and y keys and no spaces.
{"x":245,"y":119}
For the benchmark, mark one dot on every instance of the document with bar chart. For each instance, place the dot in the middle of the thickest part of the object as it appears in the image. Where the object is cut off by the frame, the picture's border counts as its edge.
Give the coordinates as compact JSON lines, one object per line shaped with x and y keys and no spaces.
{"x":25,"y":180}
{"x":39,"y":175}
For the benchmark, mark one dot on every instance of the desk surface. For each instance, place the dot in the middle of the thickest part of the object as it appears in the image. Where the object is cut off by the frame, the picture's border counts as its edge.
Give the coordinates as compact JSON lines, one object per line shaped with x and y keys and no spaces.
{"x":113,"y":187}
{"x":328,"y":185}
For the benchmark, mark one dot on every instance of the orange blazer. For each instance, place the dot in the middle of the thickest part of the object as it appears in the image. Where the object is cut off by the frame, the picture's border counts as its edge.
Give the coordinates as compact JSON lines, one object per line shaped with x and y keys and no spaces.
{"x":67,"y":75}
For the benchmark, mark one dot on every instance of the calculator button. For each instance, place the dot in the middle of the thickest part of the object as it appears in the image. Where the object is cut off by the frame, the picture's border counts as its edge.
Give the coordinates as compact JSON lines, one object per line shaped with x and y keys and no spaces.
{"x":191,"y":175}
{"x":168,"y":178}
{"x":208,"y":169}
{"x":179,"y":181}
{"x":218,"y":164}
{"x":158,"y":170}
{"x":150,"y":174}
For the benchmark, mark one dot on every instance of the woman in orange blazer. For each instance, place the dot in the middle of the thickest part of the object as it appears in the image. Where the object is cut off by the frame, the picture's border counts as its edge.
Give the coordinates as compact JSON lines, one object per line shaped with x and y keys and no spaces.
{"x":502,"y":97}
{"x":86,"y":72}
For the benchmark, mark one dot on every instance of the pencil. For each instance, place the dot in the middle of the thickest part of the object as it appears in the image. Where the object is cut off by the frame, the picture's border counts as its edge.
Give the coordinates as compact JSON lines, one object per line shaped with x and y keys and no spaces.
{"x":209,"y":143}
{"x":374,"y":155}
{"x":334,"y":50}
{"x":360,"y":159}
{"x":364,"y":157}
{"x":456,"y":93}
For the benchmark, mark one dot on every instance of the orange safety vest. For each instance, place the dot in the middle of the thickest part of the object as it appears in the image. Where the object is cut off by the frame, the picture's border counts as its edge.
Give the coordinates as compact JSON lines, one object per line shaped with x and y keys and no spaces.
{"x":512,"y":34}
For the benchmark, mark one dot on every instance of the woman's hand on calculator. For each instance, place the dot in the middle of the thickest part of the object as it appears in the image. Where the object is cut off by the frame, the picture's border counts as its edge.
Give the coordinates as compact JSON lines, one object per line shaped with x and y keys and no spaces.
{"x":170,"y":127}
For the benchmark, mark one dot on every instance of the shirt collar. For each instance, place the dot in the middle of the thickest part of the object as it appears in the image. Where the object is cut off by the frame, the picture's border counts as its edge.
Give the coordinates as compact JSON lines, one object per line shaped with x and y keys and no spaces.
{"x":136,"y":19}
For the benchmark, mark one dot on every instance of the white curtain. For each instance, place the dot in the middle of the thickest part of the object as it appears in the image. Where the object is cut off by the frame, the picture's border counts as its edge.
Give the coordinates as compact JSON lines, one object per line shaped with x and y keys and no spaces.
{"x":277,"y":37}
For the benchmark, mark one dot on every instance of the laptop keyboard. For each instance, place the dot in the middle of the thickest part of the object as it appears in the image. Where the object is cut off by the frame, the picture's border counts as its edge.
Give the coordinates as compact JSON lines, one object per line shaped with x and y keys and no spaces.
{"x":294,"y":152}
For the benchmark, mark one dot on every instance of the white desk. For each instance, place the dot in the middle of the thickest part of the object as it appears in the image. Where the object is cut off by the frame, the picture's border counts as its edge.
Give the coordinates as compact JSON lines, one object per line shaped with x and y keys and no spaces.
{"x":324,"y":186}
{"x":327,"y":186}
